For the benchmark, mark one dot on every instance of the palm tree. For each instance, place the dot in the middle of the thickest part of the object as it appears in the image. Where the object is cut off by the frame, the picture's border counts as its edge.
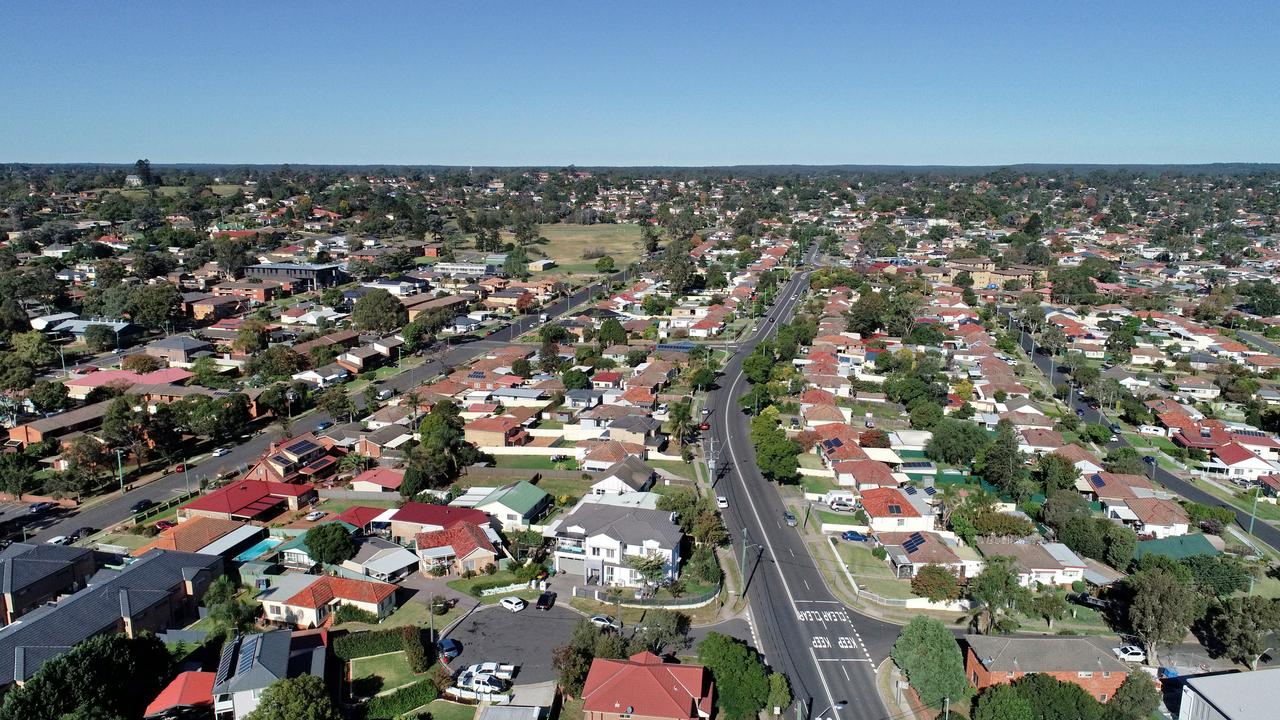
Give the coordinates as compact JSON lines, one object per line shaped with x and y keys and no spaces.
{"x":681,"y":418}
{"x":353,"y":461}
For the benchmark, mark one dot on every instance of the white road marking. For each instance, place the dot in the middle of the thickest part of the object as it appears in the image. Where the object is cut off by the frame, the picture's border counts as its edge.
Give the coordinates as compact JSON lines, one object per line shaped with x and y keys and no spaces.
{"x":806,"y":583}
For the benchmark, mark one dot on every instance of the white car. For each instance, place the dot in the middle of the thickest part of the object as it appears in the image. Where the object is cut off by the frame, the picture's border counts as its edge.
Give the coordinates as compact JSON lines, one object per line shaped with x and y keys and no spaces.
{"x":722,"y":502}
{"x":1130,"y":653}
{"x":59,"y":540}
{"x":606,"y":622}
{"x":315,"y":515}
{"x":221,"y":451}
{"x":514,"y":604}
{"x":481,"y":683}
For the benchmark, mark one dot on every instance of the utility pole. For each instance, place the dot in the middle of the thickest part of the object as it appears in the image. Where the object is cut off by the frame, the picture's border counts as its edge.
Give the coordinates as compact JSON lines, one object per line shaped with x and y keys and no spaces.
{"x":746,"y":548}
{"x":120,"y":467}
{"x":713,"y":460}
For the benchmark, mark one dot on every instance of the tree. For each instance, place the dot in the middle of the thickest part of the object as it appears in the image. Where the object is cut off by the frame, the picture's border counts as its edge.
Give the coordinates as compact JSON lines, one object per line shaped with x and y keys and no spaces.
{"x":1062,"y":506}
{"x":605,"y":265}
{"x":611,"y":333}
{"x":742,"y":688}
{"x":112,"y":673}
{"x":650,"y":567}
{"x":336,"y":402}
{"x":936,"y":583}
{"x":572,"y":660}
{"x":304,"y":697}
{"x":33,"y":348}
{"x":141,"y":363}
{"x":48,"y":396}
{"x":1220,"y":575}
{"x":1002,"y":702}
{"x":1054,"y":699}
{"x":930,"y":658}
{"x":252,"y":336}
{"x":1137,"y":698}
{"x":925,"y":415}
{"x":1124,"y":461}
{"x":1119,"y":542}
{"x":680,"y":418}
{"x":99,"y":337}
{"x":154,"y":305}
{"x":575,"y":379}
{"x":330,"y":543}
{"x":1049,"y":605}
{"x":664,"y":631}
{"x":228,"y":613}
{"x":702,"y":379}
{"x":996,"y":591}
{"x":955,"y":442}
{"x":1160,"y":611}
{"x":379,"y":310}
{"x":1055,"y":472}
{"x":867,"y":314}
{"x":1003,"y":464}
{"x":779,"y":692}
{"x":1241,"y":627}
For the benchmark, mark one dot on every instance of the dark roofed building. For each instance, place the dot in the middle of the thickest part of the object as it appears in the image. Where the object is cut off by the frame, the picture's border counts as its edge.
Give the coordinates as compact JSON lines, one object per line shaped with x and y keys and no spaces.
{"x":32,"y":574}
{"x":250,"y":663}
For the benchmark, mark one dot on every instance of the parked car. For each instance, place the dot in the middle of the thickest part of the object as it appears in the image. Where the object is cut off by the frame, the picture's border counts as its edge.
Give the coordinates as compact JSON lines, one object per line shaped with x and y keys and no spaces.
{"x":1079,"y":412}
{"x":789,"y":518}
{"x":166,"y":524}
{"x":1130,"y":653}
{"x":219,"y":452}
{"x":40,"y":507}
{"x":385,"y":394}
{"x":704,"y":427}
{"x":853,"y":536}
{"x":141,"y":506}
{"x":1148,"y":459}
{"x":59,"y":540}
{"x":481,"y":683}
{"x":606,"y":622}
{"x":546,"y":600}
{"x":722,"y":502}
{"x":842,"y":505}
{"x":514,"y":604}
{"x":315,"y":515}
{"x":323,"y":425}
{"x":1114,"y":427}
{"x":1089,"y":601}
{"x":448,"y":649}
{"x":180,"y":467}
{"x":83,"y":532}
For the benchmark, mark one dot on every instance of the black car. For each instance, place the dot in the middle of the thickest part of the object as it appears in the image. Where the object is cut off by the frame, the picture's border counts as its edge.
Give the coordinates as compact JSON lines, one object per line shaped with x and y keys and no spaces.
{"x":546,"y":600}
{"x":141,"y":506}
{"x":83,"y":532}
{"x":1090,"y":601}
{"x":1148,"y":459}
{"x":448,"y":649}
{"x":40,"y":507}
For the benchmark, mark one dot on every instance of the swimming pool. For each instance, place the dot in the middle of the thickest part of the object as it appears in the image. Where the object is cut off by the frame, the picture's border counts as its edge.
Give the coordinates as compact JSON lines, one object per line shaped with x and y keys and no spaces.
{"x":259,"y":549}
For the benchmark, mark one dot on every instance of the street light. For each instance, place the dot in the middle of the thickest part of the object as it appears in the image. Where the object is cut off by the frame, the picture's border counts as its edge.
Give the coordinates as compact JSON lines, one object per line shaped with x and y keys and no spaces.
{"x":120,"y":466}
{"x":835,"y":708}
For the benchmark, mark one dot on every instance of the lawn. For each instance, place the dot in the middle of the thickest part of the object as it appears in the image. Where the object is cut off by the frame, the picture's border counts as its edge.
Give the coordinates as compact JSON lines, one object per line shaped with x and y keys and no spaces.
{"x":684,"y":470}
{"x":569,"y":709}
{"x":1267,"y":587}
{"x":445,"y":710}
{"x":810,"y":461}
{"x":534,"y":462}
{"x":372,"y":675}
{"x":872,"y":573}
{"x":813,"y":484}
{"x":502,"y":577}
{"x":630,"y":615}
{"x":566,"y":244}
{"x":559,"y":487}
{"x":335,"y":505}
{"x":1266,"y":511}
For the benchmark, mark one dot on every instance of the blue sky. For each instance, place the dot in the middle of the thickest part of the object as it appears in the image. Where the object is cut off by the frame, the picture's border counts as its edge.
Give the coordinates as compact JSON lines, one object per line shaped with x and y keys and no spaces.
{"x":603,"y":83}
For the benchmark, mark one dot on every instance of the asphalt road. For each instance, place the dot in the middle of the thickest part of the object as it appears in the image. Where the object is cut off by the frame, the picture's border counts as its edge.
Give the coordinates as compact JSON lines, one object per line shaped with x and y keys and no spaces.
{"x":110,"y":512}
{"x":829,"y":652}
{"x":1259,"y":341}
{"x":1263,"y":531}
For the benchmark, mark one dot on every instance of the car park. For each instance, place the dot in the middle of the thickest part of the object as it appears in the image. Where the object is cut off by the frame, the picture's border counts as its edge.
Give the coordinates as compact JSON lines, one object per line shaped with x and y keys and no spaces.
{"x":789,"y":519}
{"x":606,"y":622}
{"x":1130,"y":653}
{"x":514,"y":604}
{"x":853,"y":536}
{"x":722,"y":502}
{"x":315,"y":515}
{"x":141,"y":506}
{"x":546,"y":600}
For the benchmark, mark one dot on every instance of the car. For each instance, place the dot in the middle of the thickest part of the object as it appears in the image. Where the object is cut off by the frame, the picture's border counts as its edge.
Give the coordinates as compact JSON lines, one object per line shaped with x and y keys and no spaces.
{"x":870,"y":423}
{"x":1114,"y":427}
{"x":1089,"y":601}
{"x":448,"y":649}
{"x":1079,"y":412}
{"x":166,"y":524}
{"x":40,"y":507}
{"x":1130,"y":653}
{"x":722,"y":502}
{"x":1115,"y":438}
{"x":59,"y":540}
{"x":606,"y":622}
{"x":323,"y":425}
{"x":853,"y":536}
{"x":180,"y":467}
{"x":546,"y":600}
{"x":385,"y":394}
{"x":704,"y":427}
{"x":315,"y":515}
{"x":481,"y":683}
{"x":141,"y":506}
{"x":514,"y":604}
{"x":219,"y":452}
{"x":83,"y":532}
{"x":788,"y":518}
{"x":706,"y":412}
{"x":841,"y":505}
{"x":1148,"y":459}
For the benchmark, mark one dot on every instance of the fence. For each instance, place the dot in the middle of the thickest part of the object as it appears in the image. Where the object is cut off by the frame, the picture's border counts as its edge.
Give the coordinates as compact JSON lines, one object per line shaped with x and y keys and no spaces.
{"x":692,"y":601}
{"x":335,"y":494}
{"x":513,"y":587}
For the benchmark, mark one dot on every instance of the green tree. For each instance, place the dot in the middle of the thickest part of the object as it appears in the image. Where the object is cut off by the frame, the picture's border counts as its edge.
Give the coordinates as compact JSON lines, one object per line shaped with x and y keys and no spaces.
{"x":779,"y":692}
{"x":925,"y":415}
{"x":330,"y":543}
{"x":605,"y":265}
{"x":1049,"y":605}
{"x":680,"y":419}
{"x":663,"y":631}
{"x":49,"y":396}
{"x":278,"y":361}
{"x":611,"y":333}
{"x":1124,"y":461}
{"x":1217,"y":574}
{"x":304,"y":697}
{"x":1054,"y":699}
{"x":1055,"y":472}
{"x":1136,"y":699}
{"x":1002,"y":702}
{"x":154,"y":305}
{"x":33,"y":348}
{"x":99,"y":337}
{"x":228,"y":612}
{"x":112,"y":674}
{"x":996,"y":592}
{"x":742,"y":687}
{"x":379,"y":310}
{"x":936,"y":583}
{"x":336,"y":402}
{"x":955,"y":442}
{"x":1242,"y":626}
{"x":1160,"y":611}
{"x":252,"y":336}
{"x":929,"y":656}
{"x":1002,"y":464}
{"x":575,"y":379}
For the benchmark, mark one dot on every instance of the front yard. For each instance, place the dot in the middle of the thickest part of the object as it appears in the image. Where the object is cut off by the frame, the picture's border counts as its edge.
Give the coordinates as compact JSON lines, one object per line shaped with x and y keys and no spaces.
{"x":871,"y":573}
{"x":380,"y":673}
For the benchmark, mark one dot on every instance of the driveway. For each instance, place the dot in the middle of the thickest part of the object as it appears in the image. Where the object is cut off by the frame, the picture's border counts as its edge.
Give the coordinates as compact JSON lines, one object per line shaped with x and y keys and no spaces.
{"x":525,"y":639}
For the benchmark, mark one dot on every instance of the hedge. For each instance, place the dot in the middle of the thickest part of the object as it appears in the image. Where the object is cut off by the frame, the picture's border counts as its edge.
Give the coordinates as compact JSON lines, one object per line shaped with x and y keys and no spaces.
{"x":414,"y":651}
{"x":410,"y":697}
{"x":374,"y":642}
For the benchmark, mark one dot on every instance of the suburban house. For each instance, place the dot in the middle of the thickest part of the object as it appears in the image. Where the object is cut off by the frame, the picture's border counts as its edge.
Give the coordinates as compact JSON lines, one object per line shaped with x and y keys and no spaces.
{"x":594,"y":540}
{"x":457,"y":549}
{"x":302,"y":458}
{"x":250,"y":663}
{"x":60,"y":425}
{"x":1230,"y":696}
{"x":502,"y":431}
{"x":1159,"y":518}
{"x":889,"y":510}
{"x":381,"y":559}
{"x":907,"y":553}
{"x":190,"y":694}
{"x":250,"y":501}
{"x":515,"y":506}
{"x":296,"y":555}
{"x":178,"y":350}
{"x":378,"y":479}
{"x":33,"y":574}
{"x":415,"y":517}
{"x":629,"y":474}
{"x":646,"y":687}
{"x":306,"y":601}
{"x":1237,"y":463}
{"x":1052,"y":564}
{"x":995,"y":660}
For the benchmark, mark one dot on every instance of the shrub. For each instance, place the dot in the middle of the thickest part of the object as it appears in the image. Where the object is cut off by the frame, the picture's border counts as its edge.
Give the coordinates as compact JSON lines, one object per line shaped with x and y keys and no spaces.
{"x":490,"y":569}
{"x":414,"y":650}
{"x":438,"y":570}
{"x":392,"y":705}
{"x":468,"y":574}
{"x":879,"y":553}
{"x":525,"y":573}
{"x":364,"y":644}
{"x":351,"y":613}
{"x":439,"y":605}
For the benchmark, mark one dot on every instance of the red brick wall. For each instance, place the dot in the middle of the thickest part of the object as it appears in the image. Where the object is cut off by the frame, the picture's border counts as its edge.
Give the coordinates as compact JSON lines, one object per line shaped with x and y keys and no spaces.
{"x":1101,"y":686}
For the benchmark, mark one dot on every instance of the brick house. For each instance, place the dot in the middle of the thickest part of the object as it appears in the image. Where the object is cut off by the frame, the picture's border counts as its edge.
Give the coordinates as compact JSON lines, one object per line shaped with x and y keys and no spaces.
{"x":645,"y":687}
{"x":495,"y":432}
{"x":459,"y":548}
{"x":991,"y":660}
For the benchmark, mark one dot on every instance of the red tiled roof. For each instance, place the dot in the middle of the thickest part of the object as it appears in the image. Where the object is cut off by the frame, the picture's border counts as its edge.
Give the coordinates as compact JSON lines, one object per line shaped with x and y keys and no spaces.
{"x":239,"y":497}
{"x":189,"y":689}
{"x":876,"y":503}
{"x":359,"y":516}
{"x":644,"y":685}
{"x":382,"y":477}
{"x":464,"y":537}
{"x":1233,"y":454}
{"x":438,"y":515}
{"x":329,"y":588}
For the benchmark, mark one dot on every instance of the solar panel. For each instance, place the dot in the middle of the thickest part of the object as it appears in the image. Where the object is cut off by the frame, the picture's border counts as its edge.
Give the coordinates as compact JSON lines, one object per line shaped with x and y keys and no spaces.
{"x":916,"y":536}
{"x":248,"y":648}
{"x":476,"y":374}
{"x":1250,"y":433}
{"x":930,"y":491}
{"x":910,"y":490}
{"x":302,"y":447}
{"x":1098,"y":481}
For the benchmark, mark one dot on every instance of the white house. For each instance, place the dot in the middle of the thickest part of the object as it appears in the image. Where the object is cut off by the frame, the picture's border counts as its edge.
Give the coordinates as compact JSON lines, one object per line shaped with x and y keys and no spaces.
{"x":306,"y":601}
{"x":1159,"y":518}
{"x":1052,"y":564}
{"x":888,"y":510}
{"x":594,"y":542}
{"x":629,"y":474}
{"x":1236,"y":462}
{"x":250,"y":663}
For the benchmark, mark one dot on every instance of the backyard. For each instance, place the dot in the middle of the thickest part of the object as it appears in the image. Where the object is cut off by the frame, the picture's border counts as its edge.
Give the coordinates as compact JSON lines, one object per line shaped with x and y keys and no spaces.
{"x":379,"y":673}
{"x":534,"y":462}
{"x":445,"y":710}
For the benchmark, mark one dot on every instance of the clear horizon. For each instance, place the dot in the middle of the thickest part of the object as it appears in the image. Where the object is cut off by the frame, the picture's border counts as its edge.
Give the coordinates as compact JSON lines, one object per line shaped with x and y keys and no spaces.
{"x":989,"y":84}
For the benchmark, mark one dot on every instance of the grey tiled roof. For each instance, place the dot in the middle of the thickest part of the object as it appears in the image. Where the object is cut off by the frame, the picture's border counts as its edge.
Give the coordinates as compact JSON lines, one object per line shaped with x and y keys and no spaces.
{"x":1028,"y":655}
{"x":23,"y":564}
{"x":630,"y":525}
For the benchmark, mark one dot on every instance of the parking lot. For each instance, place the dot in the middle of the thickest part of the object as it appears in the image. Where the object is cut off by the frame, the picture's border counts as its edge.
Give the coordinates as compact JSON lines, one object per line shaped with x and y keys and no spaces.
{"x":525,"y":639}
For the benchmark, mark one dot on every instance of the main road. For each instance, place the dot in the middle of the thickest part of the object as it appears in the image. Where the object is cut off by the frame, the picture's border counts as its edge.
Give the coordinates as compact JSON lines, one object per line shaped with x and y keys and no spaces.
{"x":1265,"y":532}
{"x":828,"y":652}
{"x":109,"y":512}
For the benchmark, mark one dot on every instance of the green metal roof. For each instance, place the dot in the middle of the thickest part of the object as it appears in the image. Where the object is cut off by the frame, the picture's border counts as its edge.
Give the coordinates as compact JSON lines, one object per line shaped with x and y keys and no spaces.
{"x":522,"y":497}
{"x":1177,"y":548}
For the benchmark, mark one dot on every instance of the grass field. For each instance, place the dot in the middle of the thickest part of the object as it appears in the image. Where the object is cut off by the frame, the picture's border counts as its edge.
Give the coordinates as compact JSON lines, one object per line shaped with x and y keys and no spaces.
{"x":534,"y":462}
{"x":372,"y":675}
{"x":445,"y":710}
{"x":566,"y":243}
{"x":559,"y":487}
{"x":170,"y":191}
{"x":872,"y":573}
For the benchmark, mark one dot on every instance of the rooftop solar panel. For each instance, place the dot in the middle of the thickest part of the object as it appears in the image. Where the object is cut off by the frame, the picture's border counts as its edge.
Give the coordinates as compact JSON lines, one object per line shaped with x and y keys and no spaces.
{"x":302,"y":447}
{"x":930,"y":490}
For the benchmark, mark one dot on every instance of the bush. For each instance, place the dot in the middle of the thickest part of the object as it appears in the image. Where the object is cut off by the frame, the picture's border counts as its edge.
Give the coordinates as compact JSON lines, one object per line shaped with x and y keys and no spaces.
{"x":415,"y":653}
{"x":351,"y":613}
{"x":374,"y":642}
{"x":438,"y":570}
{"x":879,"y":553}
{"x":468,"y":574}
{"x":525,"y":573}
{"x":411,"y":697}
{"x":439,"y":605}
{"x":490,"y":569}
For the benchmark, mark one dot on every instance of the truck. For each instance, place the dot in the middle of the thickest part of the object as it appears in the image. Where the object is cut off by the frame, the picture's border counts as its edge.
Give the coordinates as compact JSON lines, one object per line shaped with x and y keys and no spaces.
{"x":543,"y":317}
{"x":502,"y":671}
